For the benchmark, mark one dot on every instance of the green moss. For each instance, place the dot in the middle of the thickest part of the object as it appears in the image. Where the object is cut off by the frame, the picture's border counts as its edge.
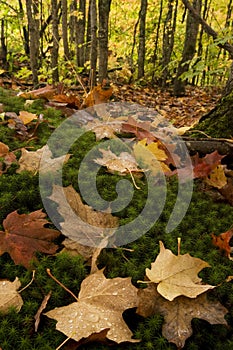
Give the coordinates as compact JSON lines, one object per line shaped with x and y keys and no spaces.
{"x":219,"y":122}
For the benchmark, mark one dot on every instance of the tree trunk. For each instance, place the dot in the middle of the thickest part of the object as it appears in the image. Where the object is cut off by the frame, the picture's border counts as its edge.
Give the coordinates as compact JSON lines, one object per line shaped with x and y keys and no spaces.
{"x":168,"y":39}
{"x":3,"y":49}
{"x":219,"y":121}
{"x":104,"y":9}
{"x":33,"y":24}
{"x":55,"y":48}
{"x":189,"y":49}
{"x":142,"y":39}
{"x":93,"y":53}
{"x":64,"y":29}
{"x":80,"y":37}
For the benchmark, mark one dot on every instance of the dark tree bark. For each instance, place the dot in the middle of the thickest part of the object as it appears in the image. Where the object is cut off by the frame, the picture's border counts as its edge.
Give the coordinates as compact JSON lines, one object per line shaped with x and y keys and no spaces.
{"x":55,"y":48}
{"x":104,"y":10}
{"x":155,"y":55}
{"x":33,"y":24}
{"x":65,"y":29}
{"x":3,"y":49}
{"x":142,"y":39}
{"x":189,"y":49}
{"x":88,"y":34}
{"x":25,"y":31}
{"x":80,"y":37}
{"x":168,"y":39}
{"x":93,"y":52}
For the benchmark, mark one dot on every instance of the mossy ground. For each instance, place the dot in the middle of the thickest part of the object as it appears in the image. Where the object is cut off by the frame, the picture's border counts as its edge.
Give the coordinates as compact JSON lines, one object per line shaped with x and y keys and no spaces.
{"x":204,"y":216}
{"x":218,"y":122}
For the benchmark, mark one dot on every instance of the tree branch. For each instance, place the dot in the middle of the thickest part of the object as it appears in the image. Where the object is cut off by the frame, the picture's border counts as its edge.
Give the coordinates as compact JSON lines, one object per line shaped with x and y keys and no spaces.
{"x":209,"y":30}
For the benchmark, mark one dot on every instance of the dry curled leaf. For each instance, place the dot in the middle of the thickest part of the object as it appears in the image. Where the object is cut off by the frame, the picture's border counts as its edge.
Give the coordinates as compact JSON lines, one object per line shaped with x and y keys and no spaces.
{"x":123,"y":164}
{"x":100,"y":305}
{"x":30,"y":161}
{"x":25,"y":235}
{"x":9,"y":297}
{"x":217,"y":177}
{"x":223,"y":241}
{"x":177,"y":275}
{"x":82,"y":223}
{"x":179,"y":313}
{"x":99,"y":94}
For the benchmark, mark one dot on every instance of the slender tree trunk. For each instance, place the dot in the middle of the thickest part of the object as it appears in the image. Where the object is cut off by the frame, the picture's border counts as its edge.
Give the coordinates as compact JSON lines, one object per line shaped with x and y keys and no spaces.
{"x":104,"y":9}
{"x":189,"y":49}
{"x":55,"y":48}
{"x":81,"y":25}
{"x":168,"y":39}
{"x":142,"y":39}
{"x":25,"y":31}
{"x":65,"y":29}
{"x":33,"y":24}
{"x":93,"y":58}
{"x":3,"y":50}
{"x":88,"y":34}
{"x":155,"y":53}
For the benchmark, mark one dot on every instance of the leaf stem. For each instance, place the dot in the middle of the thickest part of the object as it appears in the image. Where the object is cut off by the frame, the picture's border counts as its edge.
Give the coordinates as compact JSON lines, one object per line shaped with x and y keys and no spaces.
{"x":61,"y":284}
{"x":33,"y":277}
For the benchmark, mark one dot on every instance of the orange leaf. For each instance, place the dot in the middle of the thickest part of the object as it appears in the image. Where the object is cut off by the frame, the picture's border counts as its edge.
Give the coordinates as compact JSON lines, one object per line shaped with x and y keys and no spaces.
{"x":222,"y":241}
{"x":99,"y":94}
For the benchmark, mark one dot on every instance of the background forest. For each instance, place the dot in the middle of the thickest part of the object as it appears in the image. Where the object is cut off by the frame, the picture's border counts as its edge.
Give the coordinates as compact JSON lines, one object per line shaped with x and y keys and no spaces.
{"x":151,"y":41}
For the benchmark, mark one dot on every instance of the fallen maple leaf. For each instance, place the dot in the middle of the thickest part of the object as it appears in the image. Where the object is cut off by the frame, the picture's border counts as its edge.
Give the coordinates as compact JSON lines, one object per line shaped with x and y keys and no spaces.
{"x":99,"y":307}
{"x":82,"y":224}
{"x":177,"y":275}
{"x":25,"y":235}
{"x":150,"y":157}
{"x":30,"y":161}
{"x":222,"y":241}
{"x":140,"y":129}
{"x":202,"y":167}
{"x":99,"y":94}
{"x":179,"y":313}
{"x":123,"y":164}
{"x":217,"y":177}
{"x":69,"y":100}
{"x":9,"y":297}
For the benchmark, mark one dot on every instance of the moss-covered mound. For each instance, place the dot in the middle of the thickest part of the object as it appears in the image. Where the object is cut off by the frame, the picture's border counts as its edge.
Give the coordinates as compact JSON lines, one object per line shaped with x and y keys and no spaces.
{"x":205,"y":216}
{"x":219,"y":121}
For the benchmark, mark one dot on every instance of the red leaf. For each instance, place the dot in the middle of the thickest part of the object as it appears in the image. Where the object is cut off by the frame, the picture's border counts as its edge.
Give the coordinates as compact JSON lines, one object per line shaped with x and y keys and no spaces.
{"x":25,"y":235}
{"x":202,"y":167}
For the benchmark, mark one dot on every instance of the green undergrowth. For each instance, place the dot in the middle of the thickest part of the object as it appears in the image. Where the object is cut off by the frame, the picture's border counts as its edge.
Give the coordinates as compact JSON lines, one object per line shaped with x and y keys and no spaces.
{"x":204,"y":216}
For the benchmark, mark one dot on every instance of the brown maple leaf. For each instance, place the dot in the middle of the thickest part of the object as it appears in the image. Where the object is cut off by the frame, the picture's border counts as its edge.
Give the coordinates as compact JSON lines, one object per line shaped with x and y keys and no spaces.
{"x":179,"y":313}
{"x":99,"y":307}
{"x":177,"y":274}
{"x":140,"y":129}
{"x":81,"y":222}
{"x":25,"y":235}
{"x":222,"y":241}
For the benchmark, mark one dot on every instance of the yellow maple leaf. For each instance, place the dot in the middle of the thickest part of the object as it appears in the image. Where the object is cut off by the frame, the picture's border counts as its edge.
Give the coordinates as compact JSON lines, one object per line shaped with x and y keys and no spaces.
{"x":217,"y":177}
{"x":150,"y":156}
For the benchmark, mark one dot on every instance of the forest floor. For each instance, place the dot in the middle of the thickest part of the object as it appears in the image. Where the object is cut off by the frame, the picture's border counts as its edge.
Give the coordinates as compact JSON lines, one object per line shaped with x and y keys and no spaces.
{"x":206,"y":228}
